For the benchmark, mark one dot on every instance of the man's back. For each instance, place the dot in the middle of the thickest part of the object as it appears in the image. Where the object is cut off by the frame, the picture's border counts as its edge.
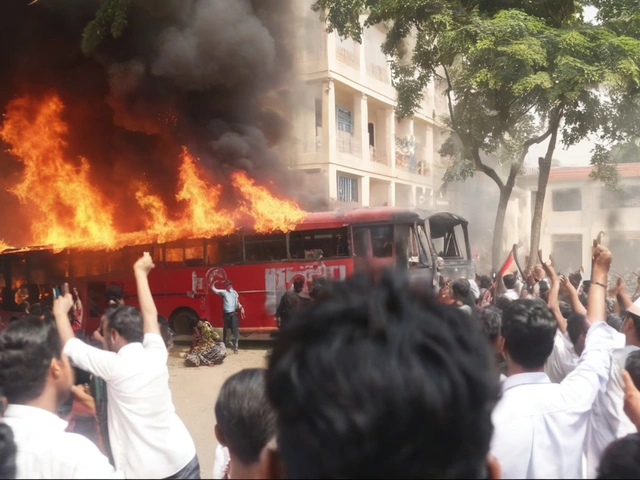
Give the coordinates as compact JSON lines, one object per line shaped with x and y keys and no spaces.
{"x":540,"y":427}
{"x":535,"y":417}
{"x":147,"y":438}
{"x":608,"y":422}
{"x":45,"y":450}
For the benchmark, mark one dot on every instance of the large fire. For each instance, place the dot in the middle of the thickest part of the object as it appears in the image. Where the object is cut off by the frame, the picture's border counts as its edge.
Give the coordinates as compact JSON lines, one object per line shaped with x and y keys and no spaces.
{"x":70,"y":211}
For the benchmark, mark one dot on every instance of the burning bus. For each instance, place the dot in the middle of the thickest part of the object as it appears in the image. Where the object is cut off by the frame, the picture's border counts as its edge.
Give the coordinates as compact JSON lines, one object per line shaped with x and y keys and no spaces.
{"x":262,"y":266}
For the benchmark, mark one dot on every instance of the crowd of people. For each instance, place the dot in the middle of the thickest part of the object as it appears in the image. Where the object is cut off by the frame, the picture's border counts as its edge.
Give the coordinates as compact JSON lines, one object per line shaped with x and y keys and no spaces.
{"x":531,"y":376}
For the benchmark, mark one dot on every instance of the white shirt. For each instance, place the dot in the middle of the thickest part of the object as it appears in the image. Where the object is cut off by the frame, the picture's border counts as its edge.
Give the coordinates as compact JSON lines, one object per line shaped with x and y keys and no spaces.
{"x":539,"y":426}
{"x":230,"y":300}
{"x":221,"y":462}
{"x":511,"y":294}
{"x":563,"y":358}
{"x":45,"y":450}
{"x":608,"y":422}
{"x":147,"y":438}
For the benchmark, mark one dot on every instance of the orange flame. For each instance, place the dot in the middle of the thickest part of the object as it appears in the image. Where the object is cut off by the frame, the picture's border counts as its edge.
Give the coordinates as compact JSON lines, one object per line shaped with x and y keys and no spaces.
{"x":202,"y":201}
{"x":69,"y":209}
{"x":72,"y":212}
{"x":270,"y":213}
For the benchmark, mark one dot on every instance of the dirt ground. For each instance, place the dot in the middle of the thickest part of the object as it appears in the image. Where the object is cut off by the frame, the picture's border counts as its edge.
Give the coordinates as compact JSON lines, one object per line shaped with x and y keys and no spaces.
{"x":195,"y":391}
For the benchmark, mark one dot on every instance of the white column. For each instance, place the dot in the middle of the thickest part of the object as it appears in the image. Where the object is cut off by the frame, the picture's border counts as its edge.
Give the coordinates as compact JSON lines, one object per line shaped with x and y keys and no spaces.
{"x":364,"y":127}
{"x":361,"y":56}
{"x":331,"y":51}
{"x":391,"y":138}
{"x":365,"y":193}
{"x":329,"y":130}
{"x":333,"y":183}
{"x":392,"y":194}
{"x":412,"y":200}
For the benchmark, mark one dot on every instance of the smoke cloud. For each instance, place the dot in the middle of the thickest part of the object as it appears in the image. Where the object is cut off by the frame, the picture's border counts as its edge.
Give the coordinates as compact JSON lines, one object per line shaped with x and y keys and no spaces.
{"x":213,"y":75}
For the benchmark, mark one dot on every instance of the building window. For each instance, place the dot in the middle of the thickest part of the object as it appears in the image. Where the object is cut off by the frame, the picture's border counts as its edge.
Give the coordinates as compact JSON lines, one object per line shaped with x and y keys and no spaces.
{"x":345,"y":120}
{"x":566,"y":200}
{"x":629,"y":197}
{"x":567,"y":252}
{"x":347,"y":189}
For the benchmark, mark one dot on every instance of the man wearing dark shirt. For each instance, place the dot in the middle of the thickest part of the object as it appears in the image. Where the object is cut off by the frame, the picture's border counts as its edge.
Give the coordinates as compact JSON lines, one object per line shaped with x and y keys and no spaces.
{"x":291,"y":301}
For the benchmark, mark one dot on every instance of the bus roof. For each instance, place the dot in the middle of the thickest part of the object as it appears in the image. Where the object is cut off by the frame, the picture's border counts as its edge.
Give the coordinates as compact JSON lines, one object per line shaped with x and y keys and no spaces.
{"x":342,"y":217}
{"x":321,"y":220}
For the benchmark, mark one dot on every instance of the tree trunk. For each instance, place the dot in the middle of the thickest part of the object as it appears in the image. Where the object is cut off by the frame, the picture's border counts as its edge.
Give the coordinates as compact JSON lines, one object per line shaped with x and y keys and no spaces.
{"x":543,"y":179}
{"x":497,"y":254}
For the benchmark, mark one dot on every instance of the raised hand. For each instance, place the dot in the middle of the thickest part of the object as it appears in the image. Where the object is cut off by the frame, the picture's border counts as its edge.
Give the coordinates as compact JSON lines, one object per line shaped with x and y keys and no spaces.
{"x":602,"y":257}
{"x":62,"y":305}
{"x":144,"y":264}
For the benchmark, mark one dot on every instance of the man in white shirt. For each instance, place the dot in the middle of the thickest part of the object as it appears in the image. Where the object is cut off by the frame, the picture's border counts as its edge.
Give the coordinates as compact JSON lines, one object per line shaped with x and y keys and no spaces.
{"x":608,"y":421}
{"x":510,"y":281}
{"x":540,"y":426}
{"x":567,"y":348}
{"x":36,"y":377}
{"x":147,"y":438}
{"x":230,"y":306}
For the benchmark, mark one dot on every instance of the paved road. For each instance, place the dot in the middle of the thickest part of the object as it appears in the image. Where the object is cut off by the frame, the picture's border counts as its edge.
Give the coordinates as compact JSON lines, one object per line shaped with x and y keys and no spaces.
{"x":195,"y":391}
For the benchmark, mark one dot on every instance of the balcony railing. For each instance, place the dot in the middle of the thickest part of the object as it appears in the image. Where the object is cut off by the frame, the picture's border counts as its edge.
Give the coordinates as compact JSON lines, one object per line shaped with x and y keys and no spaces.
{"x":378,"y":72}
{"x":378,"y":156}
{"x":309,"y":146}
{"x":349,"y":145}
{"x":348,"y":58}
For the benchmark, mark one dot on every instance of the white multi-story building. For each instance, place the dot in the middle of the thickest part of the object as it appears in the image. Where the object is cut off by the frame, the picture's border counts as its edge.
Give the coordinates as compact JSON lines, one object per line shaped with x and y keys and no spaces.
{"x":351,"y":150}
{"x":577,"y":209}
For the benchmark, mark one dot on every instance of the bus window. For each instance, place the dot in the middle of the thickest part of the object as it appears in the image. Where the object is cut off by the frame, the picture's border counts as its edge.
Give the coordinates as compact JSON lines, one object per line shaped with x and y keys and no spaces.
{"x":458,"y":234}
{"x":194,"y":253}
{"x":382,"y":241}
{"x":265,"y":247}
{"x":174,"y":256}
{"x":425,"y":255}
{"x":329,"y":243}
{"x":229,"y":250}
{"x":360,"y":241}
{"x":158,"y":256}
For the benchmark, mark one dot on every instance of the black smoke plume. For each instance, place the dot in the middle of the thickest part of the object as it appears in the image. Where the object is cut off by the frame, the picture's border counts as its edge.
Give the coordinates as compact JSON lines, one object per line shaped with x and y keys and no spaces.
{"x":212,"y":75}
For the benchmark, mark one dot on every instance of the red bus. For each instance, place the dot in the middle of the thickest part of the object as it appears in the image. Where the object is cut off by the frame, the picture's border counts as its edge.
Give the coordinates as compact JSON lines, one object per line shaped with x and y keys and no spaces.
{"x":261,"y":266}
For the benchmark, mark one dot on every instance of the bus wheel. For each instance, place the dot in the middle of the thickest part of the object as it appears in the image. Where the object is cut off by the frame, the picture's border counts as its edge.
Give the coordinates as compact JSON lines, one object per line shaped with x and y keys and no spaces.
{"x":182,"y":320}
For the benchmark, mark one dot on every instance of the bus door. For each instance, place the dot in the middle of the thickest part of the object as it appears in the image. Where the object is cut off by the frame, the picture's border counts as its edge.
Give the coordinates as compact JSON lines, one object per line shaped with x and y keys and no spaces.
{"x":450,"y":241}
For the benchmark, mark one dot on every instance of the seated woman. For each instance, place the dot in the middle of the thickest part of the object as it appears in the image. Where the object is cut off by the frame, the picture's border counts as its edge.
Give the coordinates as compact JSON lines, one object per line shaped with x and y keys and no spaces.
{"x":206,"y":346}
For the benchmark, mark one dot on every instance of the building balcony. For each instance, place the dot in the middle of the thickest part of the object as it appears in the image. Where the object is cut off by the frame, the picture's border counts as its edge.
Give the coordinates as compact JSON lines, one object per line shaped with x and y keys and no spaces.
{"x":349,"y":145}
{"x":378,"y":72}
{"x":348,"y":58}
{"x":378,"y":156}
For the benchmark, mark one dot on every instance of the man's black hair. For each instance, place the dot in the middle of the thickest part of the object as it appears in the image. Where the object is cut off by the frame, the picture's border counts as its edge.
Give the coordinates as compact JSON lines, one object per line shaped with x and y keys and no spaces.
{"x":8,"y":449}
{"x":621,"y":459}
{"x":503,"y":302}
{"x":245,"y":417}
{"x":127,"y":321}
{"x":484,"y":281}
{"x":490,"y":321}
{"x":377,"y":381}
{"x":26,"y":350}
{"x":528,"y":328}
{"x":113,"y":292}
{"x":576,"y":326}
{"x":632,"y":365}
{"x":509,"y":281}
{"x":165,"y":330}
{"x":614,"y":321}
{"x":565,"y":309}
{"x":36,"y":309}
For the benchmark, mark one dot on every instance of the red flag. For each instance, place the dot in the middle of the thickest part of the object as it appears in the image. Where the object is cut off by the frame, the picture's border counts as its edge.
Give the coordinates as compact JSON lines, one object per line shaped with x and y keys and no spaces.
{"x":507,"y":265}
